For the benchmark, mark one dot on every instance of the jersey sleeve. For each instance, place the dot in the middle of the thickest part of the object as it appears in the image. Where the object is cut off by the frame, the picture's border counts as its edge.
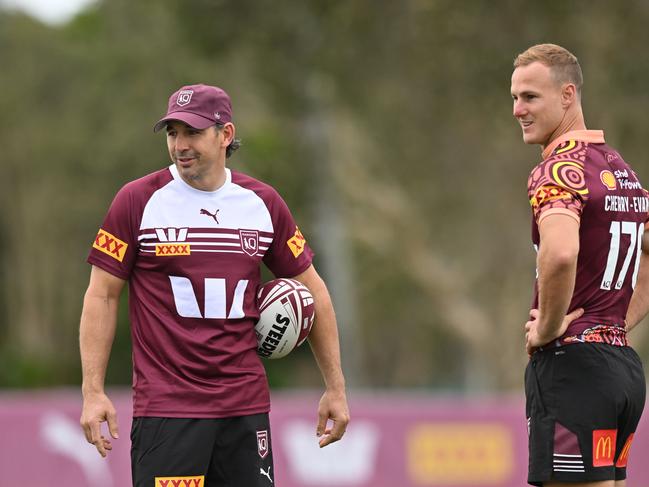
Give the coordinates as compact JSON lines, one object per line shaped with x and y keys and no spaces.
{"x":289,"y":254}
{"x":557,"y":186}
{"x":115,"y":246}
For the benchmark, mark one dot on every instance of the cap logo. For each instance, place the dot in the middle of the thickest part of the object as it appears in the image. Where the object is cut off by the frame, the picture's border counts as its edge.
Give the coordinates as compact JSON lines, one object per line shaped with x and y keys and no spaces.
{"x":217,"y":115}
{"x":184,"y":97}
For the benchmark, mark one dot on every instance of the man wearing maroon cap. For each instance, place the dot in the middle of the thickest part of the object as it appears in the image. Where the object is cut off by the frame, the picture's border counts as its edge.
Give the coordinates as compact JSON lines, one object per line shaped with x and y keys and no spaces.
{"x":190,"y":239}
{"x":584,"y":384}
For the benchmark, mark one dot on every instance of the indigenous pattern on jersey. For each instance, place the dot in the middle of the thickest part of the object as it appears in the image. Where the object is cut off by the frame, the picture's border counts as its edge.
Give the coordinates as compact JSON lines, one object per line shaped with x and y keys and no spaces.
{"x":559,"y":184}
{"x":584,"y":178}
{"x":192,"y":259}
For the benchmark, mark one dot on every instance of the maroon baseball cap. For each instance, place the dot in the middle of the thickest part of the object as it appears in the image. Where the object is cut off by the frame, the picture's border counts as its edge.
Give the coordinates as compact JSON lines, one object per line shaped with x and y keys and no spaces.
{"x":199,"y":106}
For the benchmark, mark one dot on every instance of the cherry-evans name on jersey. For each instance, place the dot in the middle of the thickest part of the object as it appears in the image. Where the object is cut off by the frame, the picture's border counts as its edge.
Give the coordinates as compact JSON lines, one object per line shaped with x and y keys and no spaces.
{"x":638,"y":204}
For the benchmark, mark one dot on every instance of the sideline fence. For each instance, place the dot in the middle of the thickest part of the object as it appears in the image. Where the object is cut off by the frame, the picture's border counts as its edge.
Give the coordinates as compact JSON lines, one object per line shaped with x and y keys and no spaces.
{"x":394,"y":440}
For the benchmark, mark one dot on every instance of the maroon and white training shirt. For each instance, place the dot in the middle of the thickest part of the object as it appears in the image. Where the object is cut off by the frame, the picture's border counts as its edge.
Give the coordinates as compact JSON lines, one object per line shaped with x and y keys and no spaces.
{"x":585,"y":178}
{"x":192,"y":259}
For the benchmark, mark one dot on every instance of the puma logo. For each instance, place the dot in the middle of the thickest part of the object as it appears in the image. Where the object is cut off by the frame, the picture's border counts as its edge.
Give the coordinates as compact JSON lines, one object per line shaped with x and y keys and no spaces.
{"x":213,"y":215}
{"x":267,"y":474}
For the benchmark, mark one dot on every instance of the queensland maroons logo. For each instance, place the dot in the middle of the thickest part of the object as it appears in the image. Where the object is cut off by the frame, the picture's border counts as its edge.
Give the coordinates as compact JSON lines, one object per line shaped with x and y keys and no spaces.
{"x":263,"y":447}
{"x":608,"y":180}
{"x":184,"y":97}
{"x":249,"y":240}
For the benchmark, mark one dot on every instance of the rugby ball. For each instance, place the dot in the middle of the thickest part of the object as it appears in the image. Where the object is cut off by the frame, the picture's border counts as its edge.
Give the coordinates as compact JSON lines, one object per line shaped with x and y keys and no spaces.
{"x":286,"y":313}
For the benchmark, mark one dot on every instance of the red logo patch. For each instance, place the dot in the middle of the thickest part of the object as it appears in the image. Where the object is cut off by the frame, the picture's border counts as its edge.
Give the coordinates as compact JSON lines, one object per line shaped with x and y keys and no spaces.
{"x":624,"y":454}
{"x":603,"y":447}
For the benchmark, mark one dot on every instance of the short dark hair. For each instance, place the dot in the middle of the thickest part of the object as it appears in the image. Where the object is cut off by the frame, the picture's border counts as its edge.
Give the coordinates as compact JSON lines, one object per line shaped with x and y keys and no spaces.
{"x":234,"y":145}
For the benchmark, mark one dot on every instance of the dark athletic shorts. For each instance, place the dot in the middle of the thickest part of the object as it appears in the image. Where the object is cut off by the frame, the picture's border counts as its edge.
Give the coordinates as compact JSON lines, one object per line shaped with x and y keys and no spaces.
{"x":584,"y":402}
{"x":180,"y":452}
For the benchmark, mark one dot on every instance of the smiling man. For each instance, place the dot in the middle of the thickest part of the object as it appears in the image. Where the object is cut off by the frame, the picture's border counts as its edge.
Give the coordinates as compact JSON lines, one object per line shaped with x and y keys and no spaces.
{"x":584,"y":385}
{"x":190,"y":240}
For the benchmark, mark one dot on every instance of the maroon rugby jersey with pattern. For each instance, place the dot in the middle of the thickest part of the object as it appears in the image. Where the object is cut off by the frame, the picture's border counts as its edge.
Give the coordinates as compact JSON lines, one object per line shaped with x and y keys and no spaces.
{"x":192,"y":259}
{"x":583,"y":177}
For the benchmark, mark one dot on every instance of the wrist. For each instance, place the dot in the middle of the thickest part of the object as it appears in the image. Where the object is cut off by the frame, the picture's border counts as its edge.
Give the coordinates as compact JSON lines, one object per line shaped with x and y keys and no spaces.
{"x":336,"y":387}
{"x":546,"y":333}
{"x":87,"y":391}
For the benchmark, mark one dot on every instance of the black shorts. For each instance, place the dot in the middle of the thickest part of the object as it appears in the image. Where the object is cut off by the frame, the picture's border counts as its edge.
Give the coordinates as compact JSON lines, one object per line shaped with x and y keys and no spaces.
{"x":180,"y":452}
{"x":584,"y":402}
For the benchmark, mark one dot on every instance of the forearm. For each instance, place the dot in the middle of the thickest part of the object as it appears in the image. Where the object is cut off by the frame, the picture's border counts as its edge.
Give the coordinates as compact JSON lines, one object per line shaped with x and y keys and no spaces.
{"x":323,"y":338}
{"x":639,"y":305}
{"x":96,"y":335}
{"x":325,"y":344}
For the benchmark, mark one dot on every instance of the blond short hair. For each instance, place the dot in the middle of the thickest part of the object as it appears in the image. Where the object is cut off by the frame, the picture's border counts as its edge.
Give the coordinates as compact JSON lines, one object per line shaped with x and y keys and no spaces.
{"x":564,"y":64}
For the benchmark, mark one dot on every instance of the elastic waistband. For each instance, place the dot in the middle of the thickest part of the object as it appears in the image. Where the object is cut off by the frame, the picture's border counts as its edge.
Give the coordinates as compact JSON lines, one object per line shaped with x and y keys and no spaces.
{"x":608,"y":334}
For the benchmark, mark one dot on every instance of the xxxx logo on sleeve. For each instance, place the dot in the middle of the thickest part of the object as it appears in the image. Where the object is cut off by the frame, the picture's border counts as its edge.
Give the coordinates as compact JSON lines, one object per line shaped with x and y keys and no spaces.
{"x":192,"y":481}
{"x":110,"y":245}
{"x":296,"y":243}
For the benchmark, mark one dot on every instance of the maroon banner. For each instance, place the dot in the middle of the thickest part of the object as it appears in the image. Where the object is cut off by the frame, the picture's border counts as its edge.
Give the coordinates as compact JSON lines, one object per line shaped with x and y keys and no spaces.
{"x":403,"y":440}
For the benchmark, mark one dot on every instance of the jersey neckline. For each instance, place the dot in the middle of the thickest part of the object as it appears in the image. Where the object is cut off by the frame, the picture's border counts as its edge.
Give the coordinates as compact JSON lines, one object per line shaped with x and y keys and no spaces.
{"x":592,"y":136}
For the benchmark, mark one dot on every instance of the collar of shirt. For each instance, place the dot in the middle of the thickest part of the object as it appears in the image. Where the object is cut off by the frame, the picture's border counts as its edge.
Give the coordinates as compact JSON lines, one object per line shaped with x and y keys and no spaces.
{"x":592,"y":136}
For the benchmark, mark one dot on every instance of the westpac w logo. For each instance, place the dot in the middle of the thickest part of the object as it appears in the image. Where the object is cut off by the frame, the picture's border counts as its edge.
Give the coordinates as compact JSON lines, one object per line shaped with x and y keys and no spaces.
{"x":171,"y":234}
{"x":214,"y":300}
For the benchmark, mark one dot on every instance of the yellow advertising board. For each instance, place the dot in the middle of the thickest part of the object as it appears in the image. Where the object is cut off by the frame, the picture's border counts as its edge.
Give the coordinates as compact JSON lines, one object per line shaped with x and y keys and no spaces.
{"x":462,"y":453}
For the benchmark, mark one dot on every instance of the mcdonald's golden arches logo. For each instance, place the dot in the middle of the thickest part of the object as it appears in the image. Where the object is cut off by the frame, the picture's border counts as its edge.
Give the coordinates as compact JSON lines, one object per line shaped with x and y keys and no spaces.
{"x":623,"y":459}
{"x":603,"y":447}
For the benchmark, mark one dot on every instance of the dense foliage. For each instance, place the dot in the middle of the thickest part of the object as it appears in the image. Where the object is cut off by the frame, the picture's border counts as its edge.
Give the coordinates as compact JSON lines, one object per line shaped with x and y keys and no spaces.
{"x":386,"y":126}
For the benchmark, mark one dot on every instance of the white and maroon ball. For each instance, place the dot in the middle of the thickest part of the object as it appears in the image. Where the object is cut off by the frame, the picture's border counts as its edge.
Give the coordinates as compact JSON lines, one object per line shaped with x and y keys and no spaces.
{"x":286,"y":313}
